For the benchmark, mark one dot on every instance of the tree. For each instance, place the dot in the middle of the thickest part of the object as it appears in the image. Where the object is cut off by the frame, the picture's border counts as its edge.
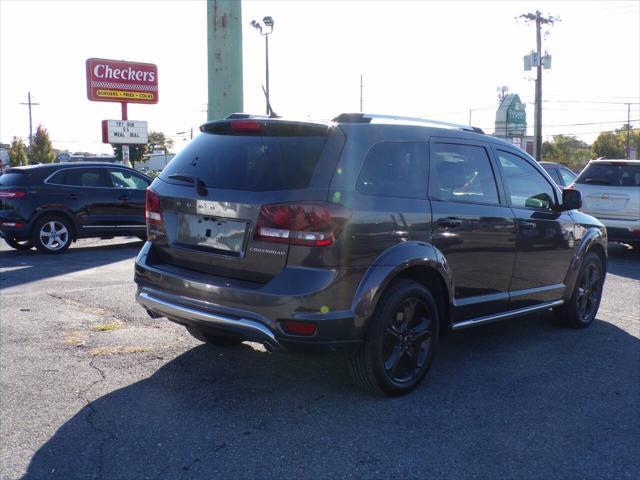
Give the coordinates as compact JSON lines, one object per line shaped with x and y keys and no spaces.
{"x":136,"y":153}
{"x":634,"y":140}
{"x":17,"y":152}
{"x":609,"y":145}
{"x":158,"y":141}
{"x":568,"y":150}
{"x":41,"y":150}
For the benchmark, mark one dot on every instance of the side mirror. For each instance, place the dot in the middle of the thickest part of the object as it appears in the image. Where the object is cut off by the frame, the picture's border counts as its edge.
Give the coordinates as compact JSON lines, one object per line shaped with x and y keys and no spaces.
{"x":571,"y":200}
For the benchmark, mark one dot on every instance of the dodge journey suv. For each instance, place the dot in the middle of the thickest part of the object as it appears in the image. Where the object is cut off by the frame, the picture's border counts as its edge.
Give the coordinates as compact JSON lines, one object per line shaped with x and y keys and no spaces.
{"x":369,"y":233}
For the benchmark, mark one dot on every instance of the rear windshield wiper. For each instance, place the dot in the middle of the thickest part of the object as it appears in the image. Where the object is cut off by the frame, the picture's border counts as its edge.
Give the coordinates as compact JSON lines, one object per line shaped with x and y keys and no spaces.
{"x":201,"y":188}
{"x":595,"y":181}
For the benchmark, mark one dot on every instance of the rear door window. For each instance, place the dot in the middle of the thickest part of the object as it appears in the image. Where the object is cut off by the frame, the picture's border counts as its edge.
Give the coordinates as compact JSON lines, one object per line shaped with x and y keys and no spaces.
{"x":462,"y":173}
{"x":248,"y":162}
{"x":612,"y":174}
{"x":82,"y":177}
{"x":395,"y":169}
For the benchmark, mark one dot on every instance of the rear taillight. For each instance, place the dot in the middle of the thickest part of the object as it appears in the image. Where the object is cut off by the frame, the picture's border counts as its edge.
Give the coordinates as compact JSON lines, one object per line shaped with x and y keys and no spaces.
{"x":153,"y":213}
{"x":12,"y":194}
{"x":311,"y":223}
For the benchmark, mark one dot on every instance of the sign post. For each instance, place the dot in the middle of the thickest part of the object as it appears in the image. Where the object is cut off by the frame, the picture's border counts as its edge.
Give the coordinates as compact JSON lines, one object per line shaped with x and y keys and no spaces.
{"x":123,"y":82}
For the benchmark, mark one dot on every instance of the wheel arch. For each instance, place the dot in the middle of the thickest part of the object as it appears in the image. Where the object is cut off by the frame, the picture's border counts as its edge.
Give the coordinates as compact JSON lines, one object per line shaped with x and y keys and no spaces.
{"x":55,"y":213}
{"x":417,"y":261}
{"x":594,"y":240}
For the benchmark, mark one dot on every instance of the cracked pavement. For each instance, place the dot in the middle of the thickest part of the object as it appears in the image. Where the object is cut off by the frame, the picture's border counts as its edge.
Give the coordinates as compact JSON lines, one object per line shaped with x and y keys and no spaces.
{"x":92,"y":388}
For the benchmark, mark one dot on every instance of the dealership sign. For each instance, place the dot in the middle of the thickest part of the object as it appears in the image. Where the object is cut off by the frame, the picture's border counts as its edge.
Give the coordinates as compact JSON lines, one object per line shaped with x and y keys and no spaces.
{"x":127,"y":132}
{"x":120,"y":81}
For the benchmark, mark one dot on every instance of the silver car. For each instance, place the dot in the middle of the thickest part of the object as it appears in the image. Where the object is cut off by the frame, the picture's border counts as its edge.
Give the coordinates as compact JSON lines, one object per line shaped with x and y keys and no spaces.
{"x":611,"y":192}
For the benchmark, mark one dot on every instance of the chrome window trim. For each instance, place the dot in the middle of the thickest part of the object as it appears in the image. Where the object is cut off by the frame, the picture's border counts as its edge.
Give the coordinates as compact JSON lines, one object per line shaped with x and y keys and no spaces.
{"x":117,"y":167}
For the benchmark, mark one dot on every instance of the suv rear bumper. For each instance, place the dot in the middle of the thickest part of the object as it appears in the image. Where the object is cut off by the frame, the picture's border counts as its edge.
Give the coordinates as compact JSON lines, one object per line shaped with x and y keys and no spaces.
{"x":621,"y":229}
{"x":254,"y":312}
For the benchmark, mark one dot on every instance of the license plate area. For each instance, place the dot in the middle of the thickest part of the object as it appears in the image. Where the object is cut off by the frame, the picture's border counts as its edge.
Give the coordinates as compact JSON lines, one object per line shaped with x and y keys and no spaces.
{"x":216,"y":235}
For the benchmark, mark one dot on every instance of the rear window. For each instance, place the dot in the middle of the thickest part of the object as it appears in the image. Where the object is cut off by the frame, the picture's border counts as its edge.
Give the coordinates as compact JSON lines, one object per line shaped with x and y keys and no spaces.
{"x":14,"y":178}
{"x":248,"y":162}
{"x":615,"y":175}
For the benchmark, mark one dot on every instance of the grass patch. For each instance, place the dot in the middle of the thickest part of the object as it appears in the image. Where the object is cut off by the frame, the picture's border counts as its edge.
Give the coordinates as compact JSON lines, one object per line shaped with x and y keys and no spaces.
{"x":75,"y":340}
{"x":106,"y":327}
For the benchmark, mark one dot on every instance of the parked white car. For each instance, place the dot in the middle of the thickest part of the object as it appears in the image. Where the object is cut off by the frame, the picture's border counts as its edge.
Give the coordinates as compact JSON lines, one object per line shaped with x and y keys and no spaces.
{"x":611,"y":192}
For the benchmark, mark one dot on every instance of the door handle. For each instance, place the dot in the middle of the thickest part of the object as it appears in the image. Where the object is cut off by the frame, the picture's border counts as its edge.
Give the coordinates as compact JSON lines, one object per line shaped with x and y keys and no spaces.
{"x":124,"y":198}
{"x":527,"y":225}
{"x":73,"y":196}
{"x":449,"y":222}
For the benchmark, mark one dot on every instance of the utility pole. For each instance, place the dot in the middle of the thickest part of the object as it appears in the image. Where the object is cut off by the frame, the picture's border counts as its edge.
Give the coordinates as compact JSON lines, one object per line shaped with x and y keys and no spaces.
{"x":360,"y":93}
{"x":537,"y":126}
{"x":30,"y":103}
{"x":628,"y":130}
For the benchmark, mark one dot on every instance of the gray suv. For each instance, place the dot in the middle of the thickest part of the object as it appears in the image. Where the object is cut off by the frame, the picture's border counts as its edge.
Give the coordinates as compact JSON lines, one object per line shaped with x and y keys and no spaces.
{"x":373,"y":234}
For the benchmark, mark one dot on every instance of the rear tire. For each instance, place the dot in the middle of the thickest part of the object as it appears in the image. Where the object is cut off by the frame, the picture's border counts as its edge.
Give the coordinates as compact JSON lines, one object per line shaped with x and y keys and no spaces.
{"x":218,"y":340}
{"x":19,"y":244}
{"x":401,"y":341}
{"x":52,"y":234}
{"x":581,"y":309}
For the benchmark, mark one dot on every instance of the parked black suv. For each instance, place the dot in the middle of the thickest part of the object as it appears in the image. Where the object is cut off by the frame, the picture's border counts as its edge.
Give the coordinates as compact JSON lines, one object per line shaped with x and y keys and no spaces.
{"x":377,"y":234}
{"x":49,"y":206}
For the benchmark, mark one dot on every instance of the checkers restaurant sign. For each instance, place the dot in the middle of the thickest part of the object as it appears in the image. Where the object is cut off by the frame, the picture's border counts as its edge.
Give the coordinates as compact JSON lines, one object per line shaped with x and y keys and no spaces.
{"x":120,"y":81}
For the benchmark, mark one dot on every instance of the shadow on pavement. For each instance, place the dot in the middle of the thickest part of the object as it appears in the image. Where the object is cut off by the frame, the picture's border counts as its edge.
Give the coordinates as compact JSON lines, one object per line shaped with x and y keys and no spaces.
{"x":31,"y":266}
{"x":512,"y":400}
{"x":624,"y":261}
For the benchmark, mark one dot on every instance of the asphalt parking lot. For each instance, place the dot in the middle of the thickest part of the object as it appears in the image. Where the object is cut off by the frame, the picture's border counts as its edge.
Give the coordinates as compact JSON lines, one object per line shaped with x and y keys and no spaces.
{"x":91,"y":387}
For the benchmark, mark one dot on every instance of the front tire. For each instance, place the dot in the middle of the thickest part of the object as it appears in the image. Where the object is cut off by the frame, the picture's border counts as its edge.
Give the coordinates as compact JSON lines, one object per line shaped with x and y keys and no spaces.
{"x":401,"y":341}
{"x":583,"y":306}
{"x":19,"y":244}
{"x":217,"y":340}
{"x":52,"y":234}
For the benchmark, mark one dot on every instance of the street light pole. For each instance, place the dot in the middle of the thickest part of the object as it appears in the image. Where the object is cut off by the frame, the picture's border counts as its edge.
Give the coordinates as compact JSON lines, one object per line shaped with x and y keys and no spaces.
{"x":266,"y":22}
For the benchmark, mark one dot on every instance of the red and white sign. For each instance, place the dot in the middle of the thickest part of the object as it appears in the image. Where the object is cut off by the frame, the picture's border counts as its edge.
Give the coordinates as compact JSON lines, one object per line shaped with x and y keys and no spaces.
{"x":125,"y":132}
{"x":120,"y":81}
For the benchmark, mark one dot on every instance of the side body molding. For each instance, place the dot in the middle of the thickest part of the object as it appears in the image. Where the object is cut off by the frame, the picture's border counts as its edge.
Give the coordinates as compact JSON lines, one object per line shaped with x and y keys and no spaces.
{"x":591,"y":237}
{"x":390,"y":264}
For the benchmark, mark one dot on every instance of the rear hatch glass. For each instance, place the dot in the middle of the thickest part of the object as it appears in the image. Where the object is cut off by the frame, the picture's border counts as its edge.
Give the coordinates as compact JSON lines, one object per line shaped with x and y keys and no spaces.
{"x":213,"y":191}
{"x":282,"y":160}
{"x":611,"y":190}
{"x":14,"y":178}
{"x":611,"y":174}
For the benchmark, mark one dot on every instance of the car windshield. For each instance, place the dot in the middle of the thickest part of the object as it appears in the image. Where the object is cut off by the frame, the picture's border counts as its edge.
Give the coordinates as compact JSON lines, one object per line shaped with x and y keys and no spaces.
{"x":613,"y":174}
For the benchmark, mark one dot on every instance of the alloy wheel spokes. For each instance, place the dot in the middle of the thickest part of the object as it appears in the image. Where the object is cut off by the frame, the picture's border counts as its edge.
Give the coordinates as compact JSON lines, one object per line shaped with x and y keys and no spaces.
{"x":407,"y":339}
{"x":54,"y":235}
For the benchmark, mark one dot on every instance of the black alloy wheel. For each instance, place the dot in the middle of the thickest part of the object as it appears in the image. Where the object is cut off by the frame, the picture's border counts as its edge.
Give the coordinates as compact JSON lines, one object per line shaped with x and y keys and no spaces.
{"x":588,"y":293}
{"x":407,"y":340}
{"x":400,"y":342}
{"x":582,"y":307}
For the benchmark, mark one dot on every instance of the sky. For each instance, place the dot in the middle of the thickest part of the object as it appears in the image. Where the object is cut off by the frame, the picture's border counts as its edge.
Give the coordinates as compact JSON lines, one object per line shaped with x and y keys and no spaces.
{"x":430,"y":59}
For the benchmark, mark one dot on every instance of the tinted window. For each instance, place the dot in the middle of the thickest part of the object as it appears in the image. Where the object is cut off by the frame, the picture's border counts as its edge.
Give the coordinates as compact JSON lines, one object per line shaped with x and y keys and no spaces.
{"x":82,"y":177}
{"x":15,"y":178}
{"x":248,"y":162}
{"x":567,"y":176}
{"x":395,"y":169}
{"x":616,"y":175}
{"x":553,"y":173}
{"x":462,"y":173}
{"x":125,"y":179}
{"x":526,"y":185}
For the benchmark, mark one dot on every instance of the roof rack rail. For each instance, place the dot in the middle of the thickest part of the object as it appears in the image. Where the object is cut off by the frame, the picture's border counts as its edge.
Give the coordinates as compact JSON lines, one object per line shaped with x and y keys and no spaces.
{"x":368,"y":117}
